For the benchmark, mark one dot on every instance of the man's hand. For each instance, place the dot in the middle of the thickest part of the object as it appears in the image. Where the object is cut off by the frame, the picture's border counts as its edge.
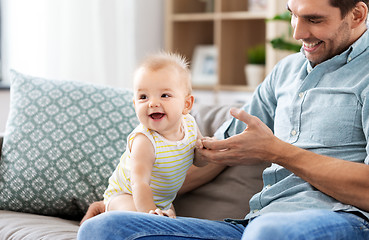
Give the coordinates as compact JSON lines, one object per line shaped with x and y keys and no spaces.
{"x":254,"y":145}
{"x":93,"y":210}
{"x":343,"y":180}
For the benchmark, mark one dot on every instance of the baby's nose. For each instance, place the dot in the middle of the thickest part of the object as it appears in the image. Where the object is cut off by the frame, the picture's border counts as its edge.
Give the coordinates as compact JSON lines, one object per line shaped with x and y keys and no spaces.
{"x":154,"y":103}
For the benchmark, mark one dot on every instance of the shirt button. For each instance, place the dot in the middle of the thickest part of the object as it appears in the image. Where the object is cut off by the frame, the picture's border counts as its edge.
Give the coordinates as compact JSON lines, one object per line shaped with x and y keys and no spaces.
{"x":293,"y":132}
{"x":301,"y":94}
{"x":349,"y":59}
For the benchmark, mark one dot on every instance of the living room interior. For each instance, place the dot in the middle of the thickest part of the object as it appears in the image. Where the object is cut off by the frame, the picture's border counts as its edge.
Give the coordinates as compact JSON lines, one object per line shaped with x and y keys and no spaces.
{"x":102,"y":42}
{"x":57,"y":150}
{"x":66,"y":98}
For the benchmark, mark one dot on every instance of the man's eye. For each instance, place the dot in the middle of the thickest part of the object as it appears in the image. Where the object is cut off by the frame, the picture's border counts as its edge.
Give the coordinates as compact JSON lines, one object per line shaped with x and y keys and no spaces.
{"x":314,"y":21}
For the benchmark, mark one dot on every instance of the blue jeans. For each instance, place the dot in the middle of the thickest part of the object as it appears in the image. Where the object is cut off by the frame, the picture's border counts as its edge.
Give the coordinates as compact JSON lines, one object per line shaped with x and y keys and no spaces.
{"x":310,"y":224}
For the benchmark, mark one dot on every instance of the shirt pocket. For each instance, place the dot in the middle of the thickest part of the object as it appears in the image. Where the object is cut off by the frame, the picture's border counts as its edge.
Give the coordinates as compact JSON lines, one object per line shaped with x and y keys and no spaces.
{"x":333,"y":125}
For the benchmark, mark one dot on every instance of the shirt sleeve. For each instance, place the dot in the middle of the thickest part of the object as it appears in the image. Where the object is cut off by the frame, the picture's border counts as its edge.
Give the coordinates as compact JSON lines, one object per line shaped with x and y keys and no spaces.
{"x":365,"y":119}
{"x":262,"y":105}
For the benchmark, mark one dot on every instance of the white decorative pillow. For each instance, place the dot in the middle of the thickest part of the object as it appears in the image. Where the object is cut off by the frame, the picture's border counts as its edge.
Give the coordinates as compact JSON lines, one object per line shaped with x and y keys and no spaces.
{"x":62,"y":142}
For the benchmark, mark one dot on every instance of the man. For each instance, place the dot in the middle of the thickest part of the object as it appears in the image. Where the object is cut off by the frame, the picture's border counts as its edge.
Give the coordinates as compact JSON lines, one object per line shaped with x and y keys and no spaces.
{"x":310,"y":119}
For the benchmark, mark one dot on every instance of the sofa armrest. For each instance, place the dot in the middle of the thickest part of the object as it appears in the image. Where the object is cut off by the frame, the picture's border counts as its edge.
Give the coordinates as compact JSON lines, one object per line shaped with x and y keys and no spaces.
{"x":1,"y":142}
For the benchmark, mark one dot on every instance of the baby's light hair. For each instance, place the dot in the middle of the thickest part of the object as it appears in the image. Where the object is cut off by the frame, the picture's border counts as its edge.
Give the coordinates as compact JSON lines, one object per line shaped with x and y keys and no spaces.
{"x":164,"y":59}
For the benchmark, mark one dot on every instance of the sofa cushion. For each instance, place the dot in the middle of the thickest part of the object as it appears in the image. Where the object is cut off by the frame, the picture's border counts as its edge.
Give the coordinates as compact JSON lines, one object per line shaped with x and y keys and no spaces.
{"x":62,"y":142}
{"x":228,"y":195}
{"x":15,"y":225}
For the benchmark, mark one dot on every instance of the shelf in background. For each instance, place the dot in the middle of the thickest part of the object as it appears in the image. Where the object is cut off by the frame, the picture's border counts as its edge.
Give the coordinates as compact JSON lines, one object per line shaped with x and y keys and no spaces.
{"x":242,"y":15}
{"x":192,"y":17}
{"x":203,"y":87}
{"x":237,"y":88}
{"x":233,"y":27}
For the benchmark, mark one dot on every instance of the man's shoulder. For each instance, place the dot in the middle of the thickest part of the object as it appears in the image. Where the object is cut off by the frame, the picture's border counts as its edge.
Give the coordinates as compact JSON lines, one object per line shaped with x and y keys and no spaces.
{"x":290,"y":64}
{"x":295,"y":59}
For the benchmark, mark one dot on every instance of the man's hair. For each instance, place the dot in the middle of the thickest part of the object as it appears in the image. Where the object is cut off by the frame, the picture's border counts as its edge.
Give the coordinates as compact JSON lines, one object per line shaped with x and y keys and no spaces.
{"x":163,"y":59}
{"x":346,"y":5}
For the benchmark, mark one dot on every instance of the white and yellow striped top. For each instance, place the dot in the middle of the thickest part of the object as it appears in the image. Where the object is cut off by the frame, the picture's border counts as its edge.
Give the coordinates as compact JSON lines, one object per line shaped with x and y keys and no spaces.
{"x":171,"y":164}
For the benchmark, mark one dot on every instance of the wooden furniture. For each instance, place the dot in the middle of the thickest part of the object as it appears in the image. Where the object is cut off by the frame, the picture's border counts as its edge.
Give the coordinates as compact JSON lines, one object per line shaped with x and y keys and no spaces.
{"x":230,"y":27}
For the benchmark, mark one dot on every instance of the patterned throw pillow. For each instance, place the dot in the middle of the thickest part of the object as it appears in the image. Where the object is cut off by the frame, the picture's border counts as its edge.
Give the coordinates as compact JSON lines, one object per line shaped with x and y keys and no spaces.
{"x":62,"y":142}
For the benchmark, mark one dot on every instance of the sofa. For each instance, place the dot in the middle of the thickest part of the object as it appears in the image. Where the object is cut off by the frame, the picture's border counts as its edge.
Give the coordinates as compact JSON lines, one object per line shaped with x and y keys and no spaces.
{"x":63,"y":140}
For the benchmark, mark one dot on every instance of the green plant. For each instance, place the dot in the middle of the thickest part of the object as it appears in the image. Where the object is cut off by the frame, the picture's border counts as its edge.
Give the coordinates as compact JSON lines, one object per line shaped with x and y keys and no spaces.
{"x":256,"y":54}
{"x":281,"y":42}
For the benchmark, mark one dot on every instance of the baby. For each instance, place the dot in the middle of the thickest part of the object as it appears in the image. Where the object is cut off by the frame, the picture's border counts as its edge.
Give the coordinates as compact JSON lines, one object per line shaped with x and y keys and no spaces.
{"x":161,"y":149}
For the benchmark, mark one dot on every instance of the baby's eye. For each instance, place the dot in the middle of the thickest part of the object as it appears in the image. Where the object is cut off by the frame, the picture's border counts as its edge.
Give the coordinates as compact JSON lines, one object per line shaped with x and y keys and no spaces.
{"x":165,"y":95}
{"x":142,"y":97}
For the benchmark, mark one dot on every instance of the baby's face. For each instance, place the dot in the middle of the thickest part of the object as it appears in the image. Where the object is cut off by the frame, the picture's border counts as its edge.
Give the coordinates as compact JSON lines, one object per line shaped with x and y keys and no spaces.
{"x":160,"y":99}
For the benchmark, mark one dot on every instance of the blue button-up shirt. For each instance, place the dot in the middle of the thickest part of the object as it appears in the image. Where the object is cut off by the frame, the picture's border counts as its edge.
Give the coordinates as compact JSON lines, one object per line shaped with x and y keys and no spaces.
{"x":324,"y":109}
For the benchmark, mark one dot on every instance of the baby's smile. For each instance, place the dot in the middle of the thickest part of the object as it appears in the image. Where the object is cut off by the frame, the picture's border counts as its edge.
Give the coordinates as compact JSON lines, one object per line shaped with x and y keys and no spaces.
{"x":157,"y":115}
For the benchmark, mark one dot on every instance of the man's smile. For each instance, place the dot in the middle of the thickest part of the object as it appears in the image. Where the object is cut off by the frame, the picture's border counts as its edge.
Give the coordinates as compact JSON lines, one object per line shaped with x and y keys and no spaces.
{"x":310,"y":47}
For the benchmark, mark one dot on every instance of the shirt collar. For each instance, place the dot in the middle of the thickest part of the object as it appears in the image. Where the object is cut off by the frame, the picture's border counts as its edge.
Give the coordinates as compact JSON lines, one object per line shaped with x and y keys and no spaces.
{"x":359,"y":46}
{"x":309,"y":68}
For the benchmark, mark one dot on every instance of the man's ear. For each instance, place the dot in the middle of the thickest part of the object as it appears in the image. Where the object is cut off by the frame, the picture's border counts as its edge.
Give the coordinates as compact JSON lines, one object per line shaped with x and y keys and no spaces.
{"x":189,"y":100}
{"x":359,"y":14}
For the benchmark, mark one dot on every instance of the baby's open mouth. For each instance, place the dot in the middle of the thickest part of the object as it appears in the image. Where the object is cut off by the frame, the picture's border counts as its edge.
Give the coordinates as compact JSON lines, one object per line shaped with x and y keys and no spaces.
{"x":157,"y":115}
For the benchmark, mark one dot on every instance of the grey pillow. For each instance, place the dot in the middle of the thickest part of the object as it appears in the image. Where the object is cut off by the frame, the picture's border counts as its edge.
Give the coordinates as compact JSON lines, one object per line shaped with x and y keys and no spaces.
{"x":62,"y":142}
{"x":228,"y":195}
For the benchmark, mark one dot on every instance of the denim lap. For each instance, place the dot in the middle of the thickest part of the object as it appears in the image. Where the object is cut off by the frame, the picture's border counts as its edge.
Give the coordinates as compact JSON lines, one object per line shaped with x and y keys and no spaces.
{"x":308,"y":225}
{"x":304,"y":225}
{"x":133,"y":225}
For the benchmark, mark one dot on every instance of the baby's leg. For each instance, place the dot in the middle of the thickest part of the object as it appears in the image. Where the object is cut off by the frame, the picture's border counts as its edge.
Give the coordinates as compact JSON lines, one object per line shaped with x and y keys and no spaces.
{"x":123,"y":202}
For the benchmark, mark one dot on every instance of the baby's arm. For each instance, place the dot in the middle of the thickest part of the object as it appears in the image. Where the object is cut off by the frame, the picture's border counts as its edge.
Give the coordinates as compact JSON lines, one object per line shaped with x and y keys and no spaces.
{"x":142,"y":160}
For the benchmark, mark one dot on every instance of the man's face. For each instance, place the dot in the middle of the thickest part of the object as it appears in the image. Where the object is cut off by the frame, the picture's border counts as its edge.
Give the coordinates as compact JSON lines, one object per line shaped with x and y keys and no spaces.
{"x":321,"y":29}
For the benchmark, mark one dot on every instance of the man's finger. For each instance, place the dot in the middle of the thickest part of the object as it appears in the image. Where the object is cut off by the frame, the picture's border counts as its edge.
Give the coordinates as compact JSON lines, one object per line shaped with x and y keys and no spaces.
{"x":214,"y":144}
{"x":214,"y":155}
{"x":242,"y":116}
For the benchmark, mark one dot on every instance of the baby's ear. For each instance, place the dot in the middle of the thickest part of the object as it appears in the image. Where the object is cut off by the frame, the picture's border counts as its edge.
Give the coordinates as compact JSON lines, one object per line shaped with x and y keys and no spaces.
{"x":189,"y":100}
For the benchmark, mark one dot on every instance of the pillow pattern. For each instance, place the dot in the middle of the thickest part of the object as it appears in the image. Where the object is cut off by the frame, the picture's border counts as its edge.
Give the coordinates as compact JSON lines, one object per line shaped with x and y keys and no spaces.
{"x":62,"y":142}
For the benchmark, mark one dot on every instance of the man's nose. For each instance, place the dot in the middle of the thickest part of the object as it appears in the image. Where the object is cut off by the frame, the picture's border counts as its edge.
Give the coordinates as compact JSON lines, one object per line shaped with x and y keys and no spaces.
{"x":300,"y":31}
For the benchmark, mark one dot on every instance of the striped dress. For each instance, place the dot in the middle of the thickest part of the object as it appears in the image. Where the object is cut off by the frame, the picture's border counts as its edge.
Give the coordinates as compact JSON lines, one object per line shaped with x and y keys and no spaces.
{"x":169,"y":171}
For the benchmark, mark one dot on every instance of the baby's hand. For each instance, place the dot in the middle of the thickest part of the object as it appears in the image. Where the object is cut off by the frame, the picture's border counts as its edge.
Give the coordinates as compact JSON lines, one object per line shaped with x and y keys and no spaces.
{"x":166,"y":213}
{"x":169,"y":213}
{"x":199,"y":144}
